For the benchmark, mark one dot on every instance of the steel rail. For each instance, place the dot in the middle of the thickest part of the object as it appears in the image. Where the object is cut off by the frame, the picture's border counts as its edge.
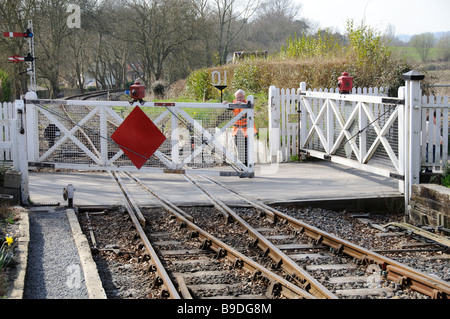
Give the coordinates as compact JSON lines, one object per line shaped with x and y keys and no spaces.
{"x":279,"y":284}
{"x":281,"y":260}
{"x":402,"y":274}
{"x":163,"y":280}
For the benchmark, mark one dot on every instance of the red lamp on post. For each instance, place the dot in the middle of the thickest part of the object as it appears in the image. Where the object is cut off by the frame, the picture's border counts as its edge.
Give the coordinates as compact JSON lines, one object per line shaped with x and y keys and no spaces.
{"x":345,"y":83}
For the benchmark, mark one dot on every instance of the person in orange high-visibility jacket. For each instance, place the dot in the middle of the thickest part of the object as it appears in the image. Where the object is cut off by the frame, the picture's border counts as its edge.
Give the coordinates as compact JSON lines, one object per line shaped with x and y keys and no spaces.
{"x":240,"y":126}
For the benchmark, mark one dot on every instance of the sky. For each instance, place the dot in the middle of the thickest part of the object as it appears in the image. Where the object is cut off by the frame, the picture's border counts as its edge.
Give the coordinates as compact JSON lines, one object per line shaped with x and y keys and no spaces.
{"x":408,"y":17}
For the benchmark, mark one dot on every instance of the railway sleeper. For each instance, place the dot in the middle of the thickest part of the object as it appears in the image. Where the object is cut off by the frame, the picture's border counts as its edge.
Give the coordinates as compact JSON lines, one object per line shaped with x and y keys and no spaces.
{"x":429,"y":286}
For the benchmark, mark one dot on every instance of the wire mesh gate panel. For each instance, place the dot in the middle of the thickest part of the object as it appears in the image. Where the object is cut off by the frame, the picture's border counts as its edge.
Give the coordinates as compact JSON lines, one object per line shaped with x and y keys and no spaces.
{"x":77,"y":135}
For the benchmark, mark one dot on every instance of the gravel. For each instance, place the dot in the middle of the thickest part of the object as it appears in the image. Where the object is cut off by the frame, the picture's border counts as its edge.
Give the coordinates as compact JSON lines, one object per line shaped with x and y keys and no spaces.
{"x":343,"y":225}
{"x":53,"y":272}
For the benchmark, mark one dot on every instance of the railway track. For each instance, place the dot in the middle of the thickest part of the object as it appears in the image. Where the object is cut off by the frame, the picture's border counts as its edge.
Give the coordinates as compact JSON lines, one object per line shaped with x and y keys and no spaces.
{"x":96,"y":94}
{"x":254,"y":252}
{"x":204,"y":240}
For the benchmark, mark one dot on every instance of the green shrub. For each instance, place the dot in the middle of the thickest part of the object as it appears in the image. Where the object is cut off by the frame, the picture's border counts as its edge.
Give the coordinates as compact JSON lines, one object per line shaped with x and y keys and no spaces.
{"x":373,"y":63}
{"x":199,"y":85}
{"x":445,"y":180}
{"x":323,"y":44}
{"x":247,"y":77}
{"x":364,"y":54}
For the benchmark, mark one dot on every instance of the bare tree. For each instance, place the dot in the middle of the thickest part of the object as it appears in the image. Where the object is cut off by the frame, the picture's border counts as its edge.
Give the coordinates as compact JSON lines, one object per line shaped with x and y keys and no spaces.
{"x":443,"y":48}
{"x":50,"y":21}
{"x":206,"y":42}
{"x":423,"y":43}
{"x":285,"y":8}
{"x":230,"y":17}
{"x":78,"y":60}
{"x":81,"y":45}
{"x":156,"y":31}
{"x":158,"y":39}
{"x":275,"y":22}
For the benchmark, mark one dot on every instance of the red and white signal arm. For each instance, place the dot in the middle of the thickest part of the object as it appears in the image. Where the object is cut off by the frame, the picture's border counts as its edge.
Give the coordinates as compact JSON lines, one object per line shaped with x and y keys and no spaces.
{"x":26,"y":34}
{"x":16,"y":59}
{"x":13,"y":34}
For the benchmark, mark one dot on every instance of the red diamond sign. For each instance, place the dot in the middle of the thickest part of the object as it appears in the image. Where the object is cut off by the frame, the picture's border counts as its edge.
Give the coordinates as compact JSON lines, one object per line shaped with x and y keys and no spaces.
{"x":138,"y":137}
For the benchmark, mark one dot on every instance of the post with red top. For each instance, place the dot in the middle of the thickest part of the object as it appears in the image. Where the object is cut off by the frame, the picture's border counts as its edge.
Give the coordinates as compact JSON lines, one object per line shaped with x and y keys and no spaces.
{"x":345,"y":83}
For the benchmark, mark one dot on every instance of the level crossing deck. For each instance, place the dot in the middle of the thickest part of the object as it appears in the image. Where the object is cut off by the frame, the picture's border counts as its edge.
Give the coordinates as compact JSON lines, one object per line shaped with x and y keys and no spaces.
{"x":286,"y":182}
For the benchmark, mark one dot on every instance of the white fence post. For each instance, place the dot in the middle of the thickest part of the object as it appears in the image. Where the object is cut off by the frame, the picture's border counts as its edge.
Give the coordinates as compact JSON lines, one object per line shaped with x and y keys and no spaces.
{"x":32,"y":130}
{"x":251,"y":137}
{"x":21,"y":148}
{"x":413,"y":99}
{"x":175,"y":152}
{"x":401,"y":137}
{"x":274,"y":124}
{"x":303,"y":125}
{"x":103,"y":132}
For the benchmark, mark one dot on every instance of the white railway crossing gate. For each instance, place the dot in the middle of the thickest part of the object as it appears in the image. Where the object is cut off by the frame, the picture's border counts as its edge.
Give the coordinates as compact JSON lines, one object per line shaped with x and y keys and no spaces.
{"x":71,"y":134}
{"x":354,"y":130}
{"x":394,"y":137}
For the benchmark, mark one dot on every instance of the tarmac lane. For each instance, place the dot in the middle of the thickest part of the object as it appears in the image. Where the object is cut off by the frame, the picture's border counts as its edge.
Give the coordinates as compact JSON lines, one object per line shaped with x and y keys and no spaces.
{"x":281,"y":183}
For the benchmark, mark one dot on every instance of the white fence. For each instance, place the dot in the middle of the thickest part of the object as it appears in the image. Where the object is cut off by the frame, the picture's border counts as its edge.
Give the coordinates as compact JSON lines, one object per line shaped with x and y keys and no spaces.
{"x":7,"y":138}
{"x":13,"y":142}
{"x":434,"y":128}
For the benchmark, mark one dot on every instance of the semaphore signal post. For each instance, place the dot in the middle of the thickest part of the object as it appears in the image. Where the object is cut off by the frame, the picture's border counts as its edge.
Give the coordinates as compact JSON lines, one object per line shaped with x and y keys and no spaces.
{"x":30,"y":57}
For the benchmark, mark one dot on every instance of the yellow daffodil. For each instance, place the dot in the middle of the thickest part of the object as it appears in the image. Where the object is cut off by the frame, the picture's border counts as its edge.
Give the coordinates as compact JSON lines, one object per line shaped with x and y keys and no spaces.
{"x":9,"y":240}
